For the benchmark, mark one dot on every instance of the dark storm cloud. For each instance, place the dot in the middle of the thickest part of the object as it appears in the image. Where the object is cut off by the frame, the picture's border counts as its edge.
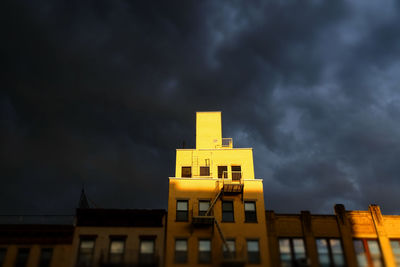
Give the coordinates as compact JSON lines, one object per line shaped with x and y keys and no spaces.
{"x":100,"y":93}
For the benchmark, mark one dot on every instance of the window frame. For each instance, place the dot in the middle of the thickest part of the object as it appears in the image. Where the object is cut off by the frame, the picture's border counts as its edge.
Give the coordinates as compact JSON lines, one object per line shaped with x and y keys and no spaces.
{"x":116,"y":255}
{"x":181,"y":256}
{"x":367,"y":252}
{"x":21,"y":260}
{"x":206,"y":169}
{"x":224,"y":173}
{"x":396,"y":255}
{"x":182,"y":215}
{"x":3,"y":254}
{"x":330,"y":250}
{"x":45,"y":262}
{"x":203,"y":212}
{"x":225,"y":253}
{"x":236,"y":174}
{"x":250,"y":216}
{"x":147,"y":258}
{"x":182,"y":172}
{"x":292,"y":251}
{"x":225,"y":212}
{"x":204,"y":257}
{"x":253,"y":257}
{"x":82,"y":239}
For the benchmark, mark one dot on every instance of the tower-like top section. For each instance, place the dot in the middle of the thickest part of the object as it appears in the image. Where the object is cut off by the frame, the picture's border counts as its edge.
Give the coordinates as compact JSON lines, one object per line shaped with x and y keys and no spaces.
{"x":208,"y":130}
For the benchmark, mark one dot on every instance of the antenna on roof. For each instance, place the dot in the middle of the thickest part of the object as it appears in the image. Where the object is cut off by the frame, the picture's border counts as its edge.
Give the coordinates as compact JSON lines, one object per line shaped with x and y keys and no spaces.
{"x":83,"y":201}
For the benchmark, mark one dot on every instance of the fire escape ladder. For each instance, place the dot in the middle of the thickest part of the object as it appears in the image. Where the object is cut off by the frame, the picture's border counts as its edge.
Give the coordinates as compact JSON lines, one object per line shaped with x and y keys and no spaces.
{"x":213,"y":202}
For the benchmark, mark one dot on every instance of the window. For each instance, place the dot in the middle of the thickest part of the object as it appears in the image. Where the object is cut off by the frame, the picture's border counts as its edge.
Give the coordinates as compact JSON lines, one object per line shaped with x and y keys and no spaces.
{"x":22,"y":257}
{"x":236,"y":172}
{"x":292,"y":252}
{"x":146,"y":251}
{"x":186,"y":172}
{"x":253,"y":251}
{"x":204,"y":171}
{"x":368,"y":252}
{"x":86,"y":250}
{"x":182,"y":210}
{"x":203,"y":207}
{"x":330,"y":252}
{"x":231,"y":253}
{"x":45,"y":257}
{"x":205,"y":251}
{"x":181,"y":249}
{"x":250,"y":211}
{"x":3,"y":252}
{"x":117,"y":250}
{"x":396,"y":250}
{"x":227,"y":211}
{"x":222,"y":171}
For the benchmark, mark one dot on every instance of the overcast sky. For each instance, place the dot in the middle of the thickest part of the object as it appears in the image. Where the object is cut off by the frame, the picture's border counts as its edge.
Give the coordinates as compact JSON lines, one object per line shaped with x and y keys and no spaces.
{"x":101,"y":93}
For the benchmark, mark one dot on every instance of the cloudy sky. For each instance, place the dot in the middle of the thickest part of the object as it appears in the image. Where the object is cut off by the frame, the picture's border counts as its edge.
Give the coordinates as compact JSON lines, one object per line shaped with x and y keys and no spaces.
{"x":100,"y":93}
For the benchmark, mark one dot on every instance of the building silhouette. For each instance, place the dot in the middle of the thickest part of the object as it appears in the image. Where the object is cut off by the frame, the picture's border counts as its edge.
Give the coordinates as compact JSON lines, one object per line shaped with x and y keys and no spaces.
{"x":216,"y":217}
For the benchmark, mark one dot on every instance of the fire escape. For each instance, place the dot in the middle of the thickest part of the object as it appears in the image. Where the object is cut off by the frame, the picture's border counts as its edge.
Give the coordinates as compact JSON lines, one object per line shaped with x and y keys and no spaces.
{"x":225,"y":186}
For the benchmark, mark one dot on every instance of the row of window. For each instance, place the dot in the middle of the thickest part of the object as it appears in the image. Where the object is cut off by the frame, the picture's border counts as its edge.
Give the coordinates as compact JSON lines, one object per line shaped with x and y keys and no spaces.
{"x":204,"y":250}
{"x":330,"y":252}
{"x":23,"y":255}
{"x":116,"y":250}
{"x":222,"y":171}
{"x":182,"y":210}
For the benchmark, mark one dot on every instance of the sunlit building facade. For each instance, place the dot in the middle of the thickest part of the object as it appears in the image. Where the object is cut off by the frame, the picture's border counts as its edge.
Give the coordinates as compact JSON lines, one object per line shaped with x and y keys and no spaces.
{"x":216,"y":217}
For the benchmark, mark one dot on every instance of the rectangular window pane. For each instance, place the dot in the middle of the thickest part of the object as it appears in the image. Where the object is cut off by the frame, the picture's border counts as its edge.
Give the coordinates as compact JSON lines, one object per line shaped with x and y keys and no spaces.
{"x":187,"y":172}
{"x":299,"y":250}
{"x":395,"y":244}
{"x":222,"y":171}
{"x":375,"y":252}
{"x":86,"y":249}
{"x":45,"y":257}
{"x":253,"y":251}
{"x":147,"y":246}
{"x":181,"y":210}
{"x":360,"y":253}
{"x":22,"y":257}
{"x":228,"y":254}
{"x":181,"y":251}
{"x":3,"y":252}
{"x":204,"y":251}
{"x":323,"y":252}
{"x":337,"y":252}
{"x":227,"y":211}
{"x":146,"y":252}
{"x":236,"y":172}
{"x":250,"y":211}
{"x":203,"y":207}
{"x":285,"y":251}
{"x":117,"y":249}
{"x":205,"y":171}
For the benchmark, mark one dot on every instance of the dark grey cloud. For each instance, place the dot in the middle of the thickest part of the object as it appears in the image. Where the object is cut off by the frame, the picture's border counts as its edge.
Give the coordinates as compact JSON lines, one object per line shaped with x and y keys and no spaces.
{"x":101,"y":93}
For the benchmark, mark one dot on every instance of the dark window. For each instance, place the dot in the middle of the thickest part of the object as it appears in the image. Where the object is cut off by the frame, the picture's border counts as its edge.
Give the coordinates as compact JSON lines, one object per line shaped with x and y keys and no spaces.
{"x":182,"y":210}
{"x":236,"y":172}
{"x":117,"y":250}
{"x":205,"y":251}
{"x":231,"y":253}
{"x":395,"y":244}
{"x":181,"y":249}
{"x":203,"y":207}
{"x":204,"y":171}
{"x":45,"y":257}
{"x":222,"y":171}
{"x":330,"y":252}
{"x":147,"y":251}
{"x":186,"y":171}
{"x":22,"y":257}
{"x":292,"y":252}
{"x":368,"y":252}
{"x":253,"y":251}
{"x":250,"y":211}
{"x":3,"y":252}
{"x":227,"y":211}
{"x":86,"y":250}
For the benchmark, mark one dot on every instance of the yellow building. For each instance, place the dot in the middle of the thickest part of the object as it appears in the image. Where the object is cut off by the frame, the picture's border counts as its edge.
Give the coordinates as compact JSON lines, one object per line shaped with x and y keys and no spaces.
{"x":216,"y":213}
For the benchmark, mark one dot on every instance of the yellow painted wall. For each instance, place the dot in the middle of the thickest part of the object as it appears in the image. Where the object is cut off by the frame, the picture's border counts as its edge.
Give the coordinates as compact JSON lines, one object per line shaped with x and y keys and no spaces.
{"x":208,"y":130}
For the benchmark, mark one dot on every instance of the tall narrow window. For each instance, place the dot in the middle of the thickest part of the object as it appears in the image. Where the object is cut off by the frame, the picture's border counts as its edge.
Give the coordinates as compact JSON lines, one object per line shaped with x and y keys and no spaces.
{"x":204,"y":171}
{"x":368,"y":252}
{"x":395,"y":244}
{"x":330,"y":252}
{"x":204,"y":251}
{"x":86,"y":251}
{"x":181,"y":249}
{"x":3,"y":252}
{"x":45,"y":257}
{"x":222,"y":171}
{"x":250,"y":211}
{"x":203,"y":207}
{"x":231,"y":252}
{"x":187,"y":172}
{"x":236,"y":172}
{"x":253,"y":251}
{"x":292,"y":251}
{"x":117,"y":250}
{"x":182,"y":210}
{"x":227,"y":211}
{"x":147,"y":251}
{"x":22,"y":257}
